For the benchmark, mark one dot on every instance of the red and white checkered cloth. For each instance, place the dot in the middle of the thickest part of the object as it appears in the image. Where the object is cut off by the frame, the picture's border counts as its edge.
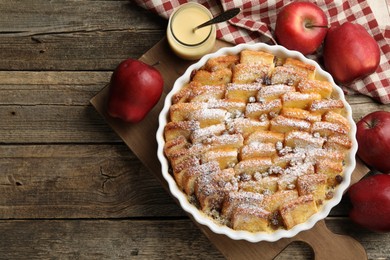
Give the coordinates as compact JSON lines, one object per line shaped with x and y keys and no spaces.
{"x":257,"y":20}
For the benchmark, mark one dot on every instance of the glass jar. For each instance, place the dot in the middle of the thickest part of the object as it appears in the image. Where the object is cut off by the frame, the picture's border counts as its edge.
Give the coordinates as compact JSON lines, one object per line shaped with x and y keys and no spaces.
{"x":184,"y":41}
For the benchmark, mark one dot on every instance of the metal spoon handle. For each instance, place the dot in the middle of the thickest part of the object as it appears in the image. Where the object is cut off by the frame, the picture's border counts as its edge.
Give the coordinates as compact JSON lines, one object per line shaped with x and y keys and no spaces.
{"x":229,"y":14}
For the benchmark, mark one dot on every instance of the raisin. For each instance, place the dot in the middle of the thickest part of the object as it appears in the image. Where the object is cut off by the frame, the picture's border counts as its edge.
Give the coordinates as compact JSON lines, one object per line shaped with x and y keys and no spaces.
{"x":276,"y":220}
{"x":339,"y":178}
{"x":329,"y":195}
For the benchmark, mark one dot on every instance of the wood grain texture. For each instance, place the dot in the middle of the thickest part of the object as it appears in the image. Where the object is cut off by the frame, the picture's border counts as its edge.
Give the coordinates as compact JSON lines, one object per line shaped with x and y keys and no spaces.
{"x":69,"y":187}
{"x":139,"y":239}
{"x":78,"y":181}
{"x":74,"y":35}
{"x":104,"y":239}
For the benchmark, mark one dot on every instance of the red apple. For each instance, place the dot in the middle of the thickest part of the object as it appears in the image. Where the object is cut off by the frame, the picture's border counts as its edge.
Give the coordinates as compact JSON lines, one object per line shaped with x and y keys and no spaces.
{"x":373,"y":137}
{"x":350,"y":52}
{"x":135,"y":88}
{"x":370,"y":198}
{"x":301,"y":26}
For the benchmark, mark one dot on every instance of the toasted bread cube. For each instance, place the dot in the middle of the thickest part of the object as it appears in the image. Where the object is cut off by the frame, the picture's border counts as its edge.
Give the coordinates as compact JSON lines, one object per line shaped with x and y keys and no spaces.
{"x":283,"y":124}
{"x":189,"y":175}
{"x":326,"y":153}
{"x":256,"y":110}
{"x":234,"y":199}
{"x":182,"y":128}
{"x":226,"y":157}
{"x":179,"y":155}
{"x":299,"y":100}
{"x":246,"y":126}
{"x":338,"y":143}
{"x":284,"y":160}
{"x":271,"y":92}
{"x":199,"y":135}
{"x":299,"y":113}
{"x":205,"y":93}
{"x":298,"y":211}
{"x":256,"y":57}
{"x":334,"y":117}
{"x":265,"y":184}
{"x":324,"y":105}
{"x":207,"y":117}
{"x":303,"y":139}
{"x":180,"y":165}
{"x":183,"y":94}
{"x":224,"y":141}
{"x":210,"y":199}
{"x":221,"y":62}
{"x":252,"y":166}
{"x":284,"y":75}
{"x":288,"y":181}
{"x":257,"y":149}
{"x":314,"y":184}
{"x":328,"y":128}
{"x":307,"y":70}
{"x":324,"y":88}
{"x":249,"y":73}
{"x":317,"y":155}
{"x":180,"y":172}
{"x":273,"y":202}
{"x":182,"y":111}
{"x":218,"y":77}
{"x":195,"y":91}
{"x":242,"y":92}
{"x":211,"y":188}
{"x":302,"y":169}
{"x":176,"y":144}
{"x":231,"y":106}
{"x":264,"y":137}
{"x":251,"y":218}
{"x":332,"y":169}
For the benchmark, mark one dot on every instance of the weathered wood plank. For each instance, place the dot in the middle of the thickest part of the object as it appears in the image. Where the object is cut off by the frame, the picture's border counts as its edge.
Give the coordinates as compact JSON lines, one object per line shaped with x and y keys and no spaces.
{"x":74,"y":35}
{"x":375,"y":244}
{"x":70,"y":88}
{"x":141,"y":239}
{"x":362,"y":105}
{"x":40,"y":16}
{"x":78,"y":181}
{"x":53,"y":124}
{"x":104,"y":239}
{"x":74,"y":51}
{"x":52,"y":107}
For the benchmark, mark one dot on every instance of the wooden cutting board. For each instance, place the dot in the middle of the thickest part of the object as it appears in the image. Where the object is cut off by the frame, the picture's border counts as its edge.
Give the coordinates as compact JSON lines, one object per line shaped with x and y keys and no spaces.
{"x":140,"y":138}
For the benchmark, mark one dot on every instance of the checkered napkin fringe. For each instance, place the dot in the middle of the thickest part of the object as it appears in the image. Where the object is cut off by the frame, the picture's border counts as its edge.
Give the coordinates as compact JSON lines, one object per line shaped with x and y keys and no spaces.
{"x":257,"y":20}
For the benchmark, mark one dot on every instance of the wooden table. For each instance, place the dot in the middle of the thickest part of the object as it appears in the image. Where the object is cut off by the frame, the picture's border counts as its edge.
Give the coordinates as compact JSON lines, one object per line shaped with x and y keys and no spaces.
{"x":69,"y":187}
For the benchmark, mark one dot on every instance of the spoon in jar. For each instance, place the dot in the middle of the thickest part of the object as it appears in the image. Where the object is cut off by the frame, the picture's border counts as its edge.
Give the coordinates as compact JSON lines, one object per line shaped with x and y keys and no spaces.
{"x":229,"y":14}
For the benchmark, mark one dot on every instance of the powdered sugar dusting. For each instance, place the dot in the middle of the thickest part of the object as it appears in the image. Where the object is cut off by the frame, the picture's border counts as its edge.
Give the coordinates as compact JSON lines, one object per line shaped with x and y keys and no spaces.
{"x":253,"y":140}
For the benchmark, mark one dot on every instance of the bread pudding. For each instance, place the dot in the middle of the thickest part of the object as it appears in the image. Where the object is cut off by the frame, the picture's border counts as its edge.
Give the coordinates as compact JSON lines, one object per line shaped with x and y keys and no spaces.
{"x":256,"y":141}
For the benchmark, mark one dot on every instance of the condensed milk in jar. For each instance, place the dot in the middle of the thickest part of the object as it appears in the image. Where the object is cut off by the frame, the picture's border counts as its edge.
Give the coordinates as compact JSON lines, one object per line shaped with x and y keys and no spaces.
{"x":184,"y":41}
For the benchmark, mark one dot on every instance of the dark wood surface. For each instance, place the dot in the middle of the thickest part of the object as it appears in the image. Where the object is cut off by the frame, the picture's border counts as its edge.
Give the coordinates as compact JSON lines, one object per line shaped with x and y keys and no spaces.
{"x":69,"y":187}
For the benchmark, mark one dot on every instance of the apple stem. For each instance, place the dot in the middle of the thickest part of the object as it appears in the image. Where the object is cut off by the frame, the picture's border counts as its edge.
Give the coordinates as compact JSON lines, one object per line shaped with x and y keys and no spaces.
{"x":316,"y":26}
{"x":371,"y":123}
